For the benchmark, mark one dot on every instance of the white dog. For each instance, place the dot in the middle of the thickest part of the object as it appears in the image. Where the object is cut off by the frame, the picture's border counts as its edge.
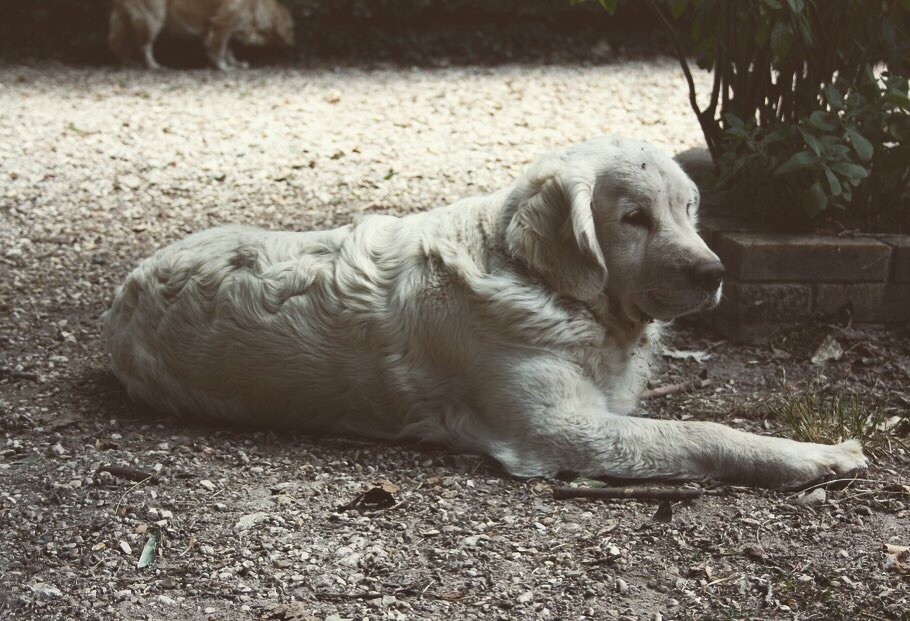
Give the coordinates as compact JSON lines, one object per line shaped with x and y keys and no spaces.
{"x":519,"y":325}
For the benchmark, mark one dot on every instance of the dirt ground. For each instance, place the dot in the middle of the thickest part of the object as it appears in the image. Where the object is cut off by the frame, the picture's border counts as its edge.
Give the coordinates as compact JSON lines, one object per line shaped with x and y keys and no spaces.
{"x":99,"y":167}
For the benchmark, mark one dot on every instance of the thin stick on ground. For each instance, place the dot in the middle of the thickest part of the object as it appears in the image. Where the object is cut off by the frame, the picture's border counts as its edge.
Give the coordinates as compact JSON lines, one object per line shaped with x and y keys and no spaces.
{"x":128,"y":492}
{"x":129,"y":474}
{"x":672,"y":389}
{"x":620,"y":493}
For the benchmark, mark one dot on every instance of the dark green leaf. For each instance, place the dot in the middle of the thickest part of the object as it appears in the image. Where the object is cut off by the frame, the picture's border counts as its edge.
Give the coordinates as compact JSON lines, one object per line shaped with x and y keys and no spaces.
{"x":781,"y":40}
{"x":805,"y":29}
{"x":817,"y":119}
{"x":609,"y":5}
{"x":811,"y":141}
{"x":814,"y":200}
{"x":840,"y":151}
{"x":853,"y":172}
{"x":796,"y":6}
{"x":833,"y":183}
{"x":862,"y":146}
{"x":834,"y":98}
{"x":734,"y":122}
{"x":798,"y":161}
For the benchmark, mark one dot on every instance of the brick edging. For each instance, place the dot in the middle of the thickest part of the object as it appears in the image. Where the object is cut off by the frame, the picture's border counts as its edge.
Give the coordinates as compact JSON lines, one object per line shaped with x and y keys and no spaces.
{"x":775,"y":280}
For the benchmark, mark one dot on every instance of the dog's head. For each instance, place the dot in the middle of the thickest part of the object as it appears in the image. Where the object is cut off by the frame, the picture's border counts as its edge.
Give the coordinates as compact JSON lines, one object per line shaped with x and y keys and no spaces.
{"x":271,"y":25}
{"x":614,"y":216}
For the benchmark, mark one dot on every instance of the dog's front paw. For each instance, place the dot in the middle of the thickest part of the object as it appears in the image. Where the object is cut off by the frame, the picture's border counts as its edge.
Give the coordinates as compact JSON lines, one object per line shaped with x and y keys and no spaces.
{"x":821,"y":461}
{"x":848,"y":457}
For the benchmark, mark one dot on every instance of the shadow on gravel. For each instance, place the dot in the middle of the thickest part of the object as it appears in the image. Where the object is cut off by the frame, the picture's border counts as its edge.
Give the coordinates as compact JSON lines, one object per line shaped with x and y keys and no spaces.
{"x":110,"y":401}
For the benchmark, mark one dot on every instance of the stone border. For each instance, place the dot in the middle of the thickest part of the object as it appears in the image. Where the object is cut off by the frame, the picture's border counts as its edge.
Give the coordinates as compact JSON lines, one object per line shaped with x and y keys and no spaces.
{"x":775,"y":281}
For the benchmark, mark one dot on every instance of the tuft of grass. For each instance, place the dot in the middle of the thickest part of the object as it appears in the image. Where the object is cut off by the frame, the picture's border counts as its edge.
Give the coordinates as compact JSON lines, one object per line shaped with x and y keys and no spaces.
{"x":832,"y":415}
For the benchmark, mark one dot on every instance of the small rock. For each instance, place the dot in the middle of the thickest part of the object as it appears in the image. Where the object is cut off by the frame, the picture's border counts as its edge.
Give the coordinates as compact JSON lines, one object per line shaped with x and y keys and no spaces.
{"x":250,"y":520}
{"x":57,"y":450}
{"x":525,"y":597}
{"x":812,"y":499}
{"x":46,"y":591}
{"x":207,"y":485}
{"x":164,"y":599}
{"x":622,"y":586}
{"x":130,"y":181}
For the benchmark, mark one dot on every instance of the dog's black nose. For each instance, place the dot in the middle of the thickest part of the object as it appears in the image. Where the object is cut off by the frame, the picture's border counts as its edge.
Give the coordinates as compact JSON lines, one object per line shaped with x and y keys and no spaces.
{"x":707,"y":275}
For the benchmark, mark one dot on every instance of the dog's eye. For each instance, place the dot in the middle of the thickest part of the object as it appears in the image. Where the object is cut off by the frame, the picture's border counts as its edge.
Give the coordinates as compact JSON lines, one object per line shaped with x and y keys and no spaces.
{"x":637,"y":218}
{"x":689,"y":209}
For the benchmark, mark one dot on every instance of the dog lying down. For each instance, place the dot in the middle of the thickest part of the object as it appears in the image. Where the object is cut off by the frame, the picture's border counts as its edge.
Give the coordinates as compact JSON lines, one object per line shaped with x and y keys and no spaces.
{"x":520,"y":325}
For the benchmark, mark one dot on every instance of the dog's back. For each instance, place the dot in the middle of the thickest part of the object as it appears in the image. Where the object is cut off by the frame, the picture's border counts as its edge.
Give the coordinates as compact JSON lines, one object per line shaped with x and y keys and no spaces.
{"x":240,"y":324}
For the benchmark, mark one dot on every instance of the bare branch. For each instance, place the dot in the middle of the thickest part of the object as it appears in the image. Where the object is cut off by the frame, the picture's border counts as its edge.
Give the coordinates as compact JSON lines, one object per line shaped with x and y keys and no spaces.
{"x":672,"y":389}
{"x":619,"y":493}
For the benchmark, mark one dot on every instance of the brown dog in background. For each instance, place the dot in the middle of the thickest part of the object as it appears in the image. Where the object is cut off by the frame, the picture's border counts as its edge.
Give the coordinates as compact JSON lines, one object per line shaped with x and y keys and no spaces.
{"x":135,"y":24}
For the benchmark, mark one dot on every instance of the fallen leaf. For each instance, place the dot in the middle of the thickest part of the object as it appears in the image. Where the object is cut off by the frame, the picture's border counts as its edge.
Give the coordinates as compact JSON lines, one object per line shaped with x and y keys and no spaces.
{"x":897,"y":558}
{"x":664,"y":512}
{"x":370,"y":500}
{"x":686,"y":354}
{"x":148,"y":552}
{"x":387,"y":486}
{"x":829,"y":350}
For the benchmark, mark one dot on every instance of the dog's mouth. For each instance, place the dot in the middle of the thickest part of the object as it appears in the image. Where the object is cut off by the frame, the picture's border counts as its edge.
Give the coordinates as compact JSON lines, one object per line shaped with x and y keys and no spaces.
{"x":664,"y":305}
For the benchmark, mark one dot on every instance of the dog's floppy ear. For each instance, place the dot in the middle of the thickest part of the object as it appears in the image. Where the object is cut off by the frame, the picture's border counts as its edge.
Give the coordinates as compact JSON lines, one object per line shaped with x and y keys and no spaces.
{"x":549,"y":226}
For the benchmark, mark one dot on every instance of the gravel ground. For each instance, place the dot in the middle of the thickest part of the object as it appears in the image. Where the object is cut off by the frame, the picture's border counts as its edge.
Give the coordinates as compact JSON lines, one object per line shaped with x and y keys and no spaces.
{"x":99,"y":167}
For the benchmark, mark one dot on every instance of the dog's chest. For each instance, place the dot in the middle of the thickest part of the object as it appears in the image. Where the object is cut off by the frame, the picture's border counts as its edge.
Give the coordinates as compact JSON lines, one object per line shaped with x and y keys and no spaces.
{"x":621,"y":372}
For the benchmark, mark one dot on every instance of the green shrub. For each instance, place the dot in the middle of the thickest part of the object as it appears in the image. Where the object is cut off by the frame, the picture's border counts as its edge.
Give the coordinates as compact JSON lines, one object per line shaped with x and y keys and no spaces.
{"x":800,"y":122}
{"x":808,"y":112}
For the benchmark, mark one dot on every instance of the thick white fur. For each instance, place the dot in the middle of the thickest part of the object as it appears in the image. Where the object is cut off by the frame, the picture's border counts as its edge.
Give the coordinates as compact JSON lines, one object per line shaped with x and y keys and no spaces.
{"x":517,"y":324}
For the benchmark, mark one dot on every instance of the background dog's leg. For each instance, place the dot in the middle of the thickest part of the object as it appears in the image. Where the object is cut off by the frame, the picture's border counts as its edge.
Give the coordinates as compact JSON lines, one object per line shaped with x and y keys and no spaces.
{"x":120,"y":35}
{"x":146,"y":21}
{"x":222,"y":27}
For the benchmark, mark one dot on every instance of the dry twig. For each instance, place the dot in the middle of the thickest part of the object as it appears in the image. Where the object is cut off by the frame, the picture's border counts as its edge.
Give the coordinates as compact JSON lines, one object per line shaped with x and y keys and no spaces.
{"x":637,"y":493}
{"x":672,"y":389}
{"x":129,"y":474}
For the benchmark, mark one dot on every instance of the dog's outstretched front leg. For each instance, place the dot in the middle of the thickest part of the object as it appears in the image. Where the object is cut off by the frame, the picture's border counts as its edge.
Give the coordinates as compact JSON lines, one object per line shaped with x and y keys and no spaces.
{"x":720,"y":453}
{"x":640,"y":448}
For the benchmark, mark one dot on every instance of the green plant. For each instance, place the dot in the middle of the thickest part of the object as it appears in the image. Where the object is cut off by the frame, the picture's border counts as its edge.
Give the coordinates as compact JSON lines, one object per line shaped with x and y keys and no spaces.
{"x":808,"y":107}
{"x":831,"y":415}
{"x":797,"y":115}
{"x":850,"y":155}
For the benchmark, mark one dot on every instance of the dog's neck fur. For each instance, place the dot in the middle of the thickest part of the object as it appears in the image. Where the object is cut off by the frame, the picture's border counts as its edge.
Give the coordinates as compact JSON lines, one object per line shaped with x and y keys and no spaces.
{"x":627,"y":343}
